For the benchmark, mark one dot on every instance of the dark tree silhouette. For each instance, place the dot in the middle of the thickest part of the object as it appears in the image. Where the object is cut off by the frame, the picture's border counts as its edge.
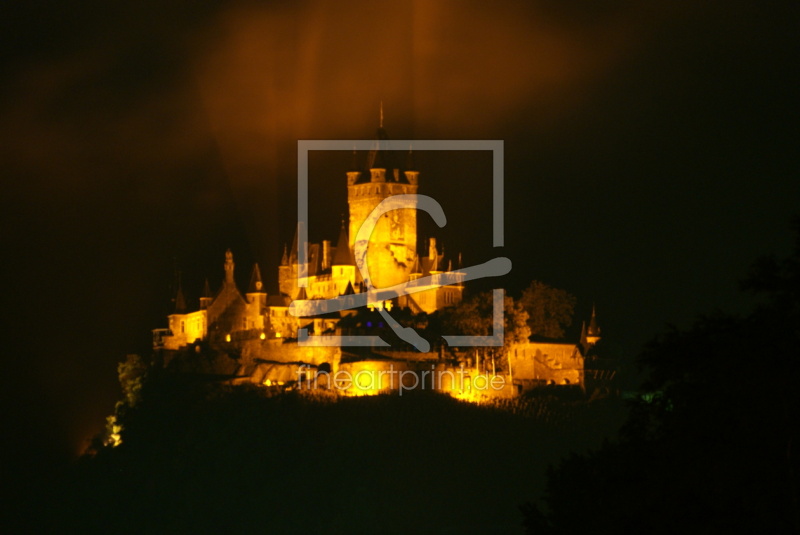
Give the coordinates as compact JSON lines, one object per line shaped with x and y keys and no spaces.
{"x":711,"y":444}
{"x":550,"y":310}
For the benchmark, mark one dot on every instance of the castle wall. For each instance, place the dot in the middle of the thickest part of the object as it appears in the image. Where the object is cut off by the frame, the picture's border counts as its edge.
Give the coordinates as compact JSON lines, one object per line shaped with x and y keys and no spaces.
{"x":185,"y":329}
{"x":540,"y":363}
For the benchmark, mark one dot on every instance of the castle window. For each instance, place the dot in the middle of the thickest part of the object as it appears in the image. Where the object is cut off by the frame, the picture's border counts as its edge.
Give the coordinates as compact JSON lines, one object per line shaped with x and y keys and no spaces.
{"x":183,"y":327}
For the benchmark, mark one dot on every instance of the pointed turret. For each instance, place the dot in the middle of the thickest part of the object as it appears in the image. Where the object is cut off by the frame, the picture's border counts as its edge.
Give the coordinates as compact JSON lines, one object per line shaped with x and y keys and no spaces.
{"x":256,"y":298}
{"x":180,"y":299}
{"x":378,"y":161}
{"x":285,"y":257}
{"x":256,"y":284}
{"x":343,"y":255}
{"x":593,"y":332}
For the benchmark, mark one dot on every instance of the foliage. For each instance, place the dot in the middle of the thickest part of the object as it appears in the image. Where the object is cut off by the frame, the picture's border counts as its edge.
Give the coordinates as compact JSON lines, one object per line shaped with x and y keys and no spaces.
{"x":550,"y":310}
{"x":473,"y":317}
{"x":709,"y":447}
{"x":132,"y":373}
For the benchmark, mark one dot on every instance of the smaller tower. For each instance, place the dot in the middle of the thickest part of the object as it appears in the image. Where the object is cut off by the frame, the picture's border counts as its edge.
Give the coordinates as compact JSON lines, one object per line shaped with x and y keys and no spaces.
{"x":180,"y":299}
{"x":593,"y":332}
{"x":256,"y":300}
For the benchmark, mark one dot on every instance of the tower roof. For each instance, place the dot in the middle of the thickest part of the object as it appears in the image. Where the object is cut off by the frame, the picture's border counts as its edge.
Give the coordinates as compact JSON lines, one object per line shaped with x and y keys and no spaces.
{"x":256,"y":285}
{"x":343,"y":256}
{"x":180,"y":299}
{"x":593,"y":329}
{"x":379,"y":157}
{"x":293,"y":250}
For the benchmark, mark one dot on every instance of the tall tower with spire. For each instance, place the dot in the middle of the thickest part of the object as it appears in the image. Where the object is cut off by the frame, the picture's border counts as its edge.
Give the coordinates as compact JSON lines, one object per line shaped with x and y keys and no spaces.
{"x":393,"y":244}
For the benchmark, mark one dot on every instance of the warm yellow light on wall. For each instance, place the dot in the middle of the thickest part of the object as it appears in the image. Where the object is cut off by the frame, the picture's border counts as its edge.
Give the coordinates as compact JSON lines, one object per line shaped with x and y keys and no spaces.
{"x":263,"y":336}
{"x":227,"y":338}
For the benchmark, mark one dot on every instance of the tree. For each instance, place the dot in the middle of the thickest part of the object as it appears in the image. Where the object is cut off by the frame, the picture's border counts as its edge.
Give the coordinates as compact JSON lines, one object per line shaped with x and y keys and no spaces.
{"x":132,"y":372}
{"x":710,"y":445}
{"x":474,"y":317}
{"x":550,"y":310}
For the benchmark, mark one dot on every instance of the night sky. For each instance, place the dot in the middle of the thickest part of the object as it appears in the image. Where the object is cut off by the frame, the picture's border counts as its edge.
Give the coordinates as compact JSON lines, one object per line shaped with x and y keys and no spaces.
{"x":650,"y":153}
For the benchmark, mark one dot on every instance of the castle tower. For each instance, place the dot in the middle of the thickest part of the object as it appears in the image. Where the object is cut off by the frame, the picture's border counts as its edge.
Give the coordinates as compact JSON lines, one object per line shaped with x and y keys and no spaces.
{"x":180,"y":299}
{"x":593,"y":332}
{"x":256,"y":301}
{"x":255,"y":291}
{"x":393,"y":243}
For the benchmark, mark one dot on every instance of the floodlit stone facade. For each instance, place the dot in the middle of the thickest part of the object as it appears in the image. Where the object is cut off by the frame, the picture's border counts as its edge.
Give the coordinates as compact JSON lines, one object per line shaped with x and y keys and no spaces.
{"x":258,"y":332}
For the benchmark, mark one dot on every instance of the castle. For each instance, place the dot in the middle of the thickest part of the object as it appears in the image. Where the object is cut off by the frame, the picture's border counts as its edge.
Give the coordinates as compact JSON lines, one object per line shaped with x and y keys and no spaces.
{"x":260,"y":334}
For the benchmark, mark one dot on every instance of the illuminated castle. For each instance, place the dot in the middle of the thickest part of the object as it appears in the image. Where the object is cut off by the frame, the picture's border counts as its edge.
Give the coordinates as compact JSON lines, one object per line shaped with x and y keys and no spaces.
{"x":256,"y":335}
{"x":330,"y":271}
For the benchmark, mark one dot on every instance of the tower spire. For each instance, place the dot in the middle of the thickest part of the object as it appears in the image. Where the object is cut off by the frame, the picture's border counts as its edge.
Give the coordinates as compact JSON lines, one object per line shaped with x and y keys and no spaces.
{"x":593,"y":332}
{"x":180,"y":299}
{"x":256,"y":285}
